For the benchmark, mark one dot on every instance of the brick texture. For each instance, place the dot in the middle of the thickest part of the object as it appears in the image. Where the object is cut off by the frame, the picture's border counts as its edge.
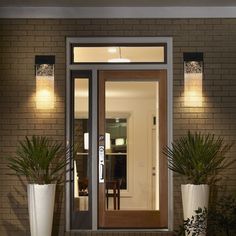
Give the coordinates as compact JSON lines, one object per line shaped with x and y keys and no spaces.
{"x":21,"y":40}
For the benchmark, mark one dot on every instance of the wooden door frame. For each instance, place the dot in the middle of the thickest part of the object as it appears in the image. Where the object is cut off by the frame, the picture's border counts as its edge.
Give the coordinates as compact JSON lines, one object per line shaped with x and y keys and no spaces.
{"x":135,"y":219}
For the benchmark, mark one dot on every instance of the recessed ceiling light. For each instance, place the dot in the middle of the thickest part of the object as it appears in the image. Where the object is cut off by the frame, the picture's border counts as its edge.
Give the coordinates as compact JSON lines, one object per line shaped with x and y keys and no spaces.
{"x":119,"y":59}
{"x":112,"y":50}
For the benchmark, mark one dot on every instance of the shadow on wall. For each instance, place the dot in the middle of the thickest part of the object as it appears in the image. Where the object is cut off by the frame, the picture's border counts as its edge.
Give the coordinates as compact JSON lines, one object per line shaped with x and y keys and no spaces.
{"x":57,"y":223}
{"x":18,"y":225}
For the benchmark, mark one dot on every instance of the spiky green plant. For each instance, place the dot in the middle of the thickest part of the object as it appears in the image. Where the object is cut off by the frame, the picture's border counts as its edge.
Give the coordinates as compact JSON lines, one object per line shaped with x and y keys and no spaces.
{"x":199,"y":157}
{"x":40,"y":160}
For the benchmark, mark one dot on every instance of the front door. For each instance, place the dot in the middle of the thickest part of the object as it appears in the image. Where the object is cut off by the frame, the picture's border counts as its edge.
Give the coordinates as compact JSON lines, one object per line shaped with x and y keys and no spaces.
{"x":133,"y":186}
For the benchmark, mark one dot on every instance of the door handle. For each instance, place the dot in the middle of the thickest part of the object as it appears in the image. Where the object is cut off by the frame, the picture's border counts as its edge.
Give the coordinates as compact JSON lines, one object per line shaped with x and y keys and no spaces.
{"x":101,"y":164}
{"x":101,"y":173}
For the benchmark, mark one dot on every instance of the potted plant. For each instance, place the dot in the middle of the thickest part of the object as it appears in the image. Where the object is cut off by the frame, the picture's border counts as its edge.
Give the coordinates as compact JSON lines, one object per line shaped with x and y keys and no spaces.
{"x":42,"y":162}
{"x":200,"y":158}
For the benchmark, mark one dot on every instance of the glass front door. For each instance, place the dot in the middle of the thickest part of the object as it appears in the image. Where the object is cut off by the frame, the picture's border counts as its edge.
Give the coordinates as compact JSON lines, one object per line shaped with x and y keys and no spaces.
{"x":132,"y":131}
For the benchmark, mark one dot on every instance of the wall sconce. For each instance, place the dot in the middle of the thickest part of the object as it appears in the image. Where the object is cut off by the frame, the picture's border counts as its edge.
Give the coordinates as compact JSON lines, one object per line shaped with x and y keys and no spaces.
{"x":193,"y":75}
{"x":44,"y":73}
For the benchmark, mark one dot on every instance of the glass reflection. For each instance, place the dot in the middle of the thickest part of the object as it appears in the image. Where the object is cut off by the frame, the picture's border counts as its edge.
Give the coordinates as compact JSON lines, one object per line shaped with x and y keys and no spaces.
{"x":132,"y":163}
{"x":81,"y":138}
{"x":116,"y":156}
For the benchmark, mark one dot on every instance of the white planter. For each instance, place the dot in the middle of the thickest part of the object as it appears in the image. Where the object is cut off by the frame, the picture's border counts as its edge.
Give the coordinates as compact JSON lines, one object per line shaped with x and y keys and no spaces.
{"x":41,"y":205}
{"x":193,"y":197}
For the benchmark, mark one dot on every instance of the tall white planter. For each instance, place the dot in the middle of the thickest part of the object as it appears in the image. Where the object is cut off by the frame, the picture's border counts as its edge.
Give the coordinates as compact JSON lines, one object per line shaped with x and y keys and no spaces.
{"x":193,"y":197}
{"x":41,"y":205}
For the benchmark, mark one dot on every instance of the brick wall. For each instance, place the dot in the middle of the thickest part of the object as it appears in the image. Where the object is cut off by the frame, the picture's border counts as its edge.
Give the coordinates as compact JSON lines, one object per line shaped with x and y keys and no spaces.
{"x":21,"y":40}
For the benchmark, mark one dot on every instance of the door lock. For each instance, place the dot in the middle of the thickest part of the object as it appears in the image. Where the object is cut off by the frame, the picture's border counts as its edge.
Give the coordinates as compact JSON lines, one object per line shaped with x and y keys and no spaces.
{"x":101,"y":163}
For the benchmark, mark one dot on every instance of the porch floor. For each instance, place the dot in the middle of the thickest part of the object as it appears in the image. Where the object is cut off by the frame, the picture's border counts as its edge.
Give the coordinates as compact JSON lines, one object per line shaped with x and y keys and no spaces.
{"x":120,"y":233}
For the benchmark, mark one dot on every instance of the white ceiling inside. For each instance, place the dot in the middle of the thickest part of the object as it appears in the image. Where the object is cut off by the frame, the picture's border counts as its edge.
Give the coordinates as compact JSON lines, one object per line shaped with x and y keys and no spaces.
{"x":114,"y":3}
{"x":120,"y":90}
{"x":105,"y":53}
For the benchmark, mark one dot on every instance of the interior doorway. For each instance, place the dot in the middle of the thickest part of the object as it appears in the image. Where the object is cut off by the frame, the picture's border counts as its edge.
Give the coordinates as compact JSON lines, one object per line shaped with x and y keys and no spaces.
{"x":147,"y":94}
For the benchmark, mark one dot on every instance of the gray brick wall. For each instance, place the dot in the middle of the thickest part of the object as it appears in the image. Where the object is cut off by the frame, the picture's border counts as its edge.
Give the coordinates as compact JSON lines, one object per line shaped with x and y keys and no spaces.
{"x":21,"y":40}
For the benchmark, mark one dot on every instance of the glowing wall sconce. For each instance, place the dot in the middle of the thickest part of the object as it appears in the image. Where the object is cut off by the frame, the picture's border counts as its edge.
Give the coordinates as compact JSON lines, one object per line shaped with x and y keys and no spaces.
{"x":44,"y":73}
{"x":193,"y":75}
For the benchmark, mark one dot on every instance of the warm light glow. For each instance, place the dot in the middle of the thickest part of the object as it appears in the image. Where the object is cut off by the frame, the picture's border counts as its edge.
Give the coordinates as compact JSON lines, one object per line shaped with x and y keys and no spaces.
{"x":44,"y":73}
{"x":119,"y":141}
{"x":97,"y":54}
{"x":193,"y":74}
{"x":86,"y":141}
{"x":112,"y":50}
{"x":118,"y":60}
{"x":193,"y":90}
{"x":44,"y":92}
{"x":76,"y":181}
{"x":107,"y":141}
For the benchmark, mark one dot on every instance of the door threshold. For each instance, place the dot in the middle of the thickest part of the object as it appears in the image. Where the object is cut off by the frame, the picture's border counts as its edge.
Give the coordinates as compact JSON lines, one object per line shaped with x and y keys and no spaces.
{"x":121,"y":232}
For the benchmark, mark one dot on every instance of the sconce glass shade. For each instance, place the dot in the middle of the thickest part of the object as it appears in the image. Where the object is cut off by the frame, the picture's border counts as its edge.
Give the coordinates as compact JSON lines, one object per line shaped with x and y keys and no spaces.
{"x":193,"y":75}
{"x":107,"y":141}
{"x":44,"y":92}
{"x":44,"y":73}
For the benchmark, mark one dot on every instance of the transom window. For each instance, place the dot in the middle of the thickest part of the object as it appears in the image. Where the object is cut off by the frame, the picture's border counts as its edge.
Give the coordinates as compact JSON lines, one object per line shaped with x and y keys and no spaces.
{"x":119,"y":54}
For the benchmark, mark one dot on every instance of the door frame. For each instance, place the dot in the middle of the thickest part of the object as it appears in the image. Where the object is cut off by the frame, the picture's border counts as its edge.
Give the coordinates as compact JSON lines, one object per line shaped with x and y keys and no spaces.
{"x":94,"y":68}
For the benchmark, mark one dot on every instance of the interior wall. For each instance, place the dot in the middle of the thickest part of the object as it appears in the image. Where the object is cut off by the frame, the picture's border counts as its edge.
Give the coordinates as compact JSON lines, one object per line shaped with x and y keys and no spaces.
{"x":22,"y":39}
{"x":139,"y":116}
{"x":139,"y":155}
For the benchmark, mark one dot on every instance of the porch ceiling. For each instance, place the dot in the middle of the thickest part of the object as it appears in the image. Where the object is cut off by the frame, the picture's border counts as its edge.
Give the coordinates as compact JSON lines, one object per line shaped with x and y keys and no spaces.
{"x":115,"y":3}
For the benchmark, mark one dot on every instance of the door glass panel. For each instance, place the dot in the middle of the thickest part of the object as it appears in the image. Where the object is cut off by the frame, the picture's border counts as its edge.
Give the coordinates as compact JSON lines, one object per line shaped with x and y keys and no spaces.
{"x":81,"y":142}
{"x":132,"y":176}
{"x":116,"y":155}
